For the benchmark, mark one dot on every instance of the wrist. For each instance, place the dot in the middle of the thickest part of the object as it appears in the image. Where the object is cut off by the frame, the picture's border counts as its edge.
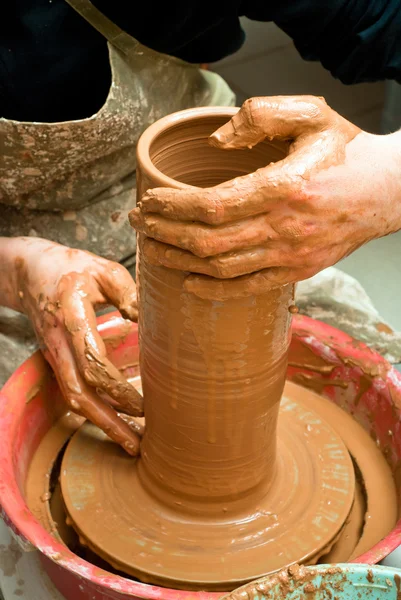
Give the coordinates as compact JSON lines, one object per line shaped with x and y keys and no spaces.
{"x":388,"y":149}
{"x":9,"y":256}
{"x":13,"y":269}
{"x":394,"y":144}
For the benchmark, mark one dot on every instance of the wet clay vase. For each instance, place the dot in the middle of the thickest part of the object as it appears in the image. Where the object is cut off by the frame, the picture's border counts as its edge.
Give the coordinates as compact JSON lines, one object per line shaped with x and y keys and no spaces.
{"x":213,"y":370}
{"x":31,"y":404}
{"x":235,"y":496}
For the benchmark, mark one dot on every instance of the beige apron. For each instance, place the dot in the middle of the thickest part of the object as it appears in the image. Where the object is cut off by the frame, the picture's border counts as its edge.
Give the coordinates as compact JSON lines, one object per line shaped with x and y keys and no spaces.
{"x":74,"y":182}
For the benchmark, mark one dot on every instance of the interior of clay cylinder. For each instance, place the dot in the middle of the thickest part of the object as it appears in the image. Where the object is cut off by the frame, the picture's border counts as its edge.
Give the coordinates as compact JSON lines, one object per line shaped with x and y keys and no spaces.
{"x":180,"y":151}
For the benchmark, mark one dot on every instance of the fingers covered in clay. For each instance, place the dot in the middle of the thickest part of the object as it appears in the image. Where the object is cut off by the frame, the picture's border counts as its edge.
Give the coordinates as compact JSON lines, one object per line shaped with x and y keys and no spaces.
{"x":119,"y":288}
{"x":201,"y":240}
{"x":59,"y":289}
{"x":222,"y":266}
{"x":77,"y":299}
{"x":81,"y":398}
{"x":316,"y":137}
{"x":242,"y":197}
{"x":279,"y":117}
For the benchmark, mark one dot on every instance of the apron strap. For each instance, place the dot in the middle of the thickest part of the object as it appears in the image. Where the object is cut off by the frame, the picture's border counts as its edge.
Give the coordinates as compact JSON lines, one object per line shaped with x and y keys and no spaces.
{"x":116,"y":36}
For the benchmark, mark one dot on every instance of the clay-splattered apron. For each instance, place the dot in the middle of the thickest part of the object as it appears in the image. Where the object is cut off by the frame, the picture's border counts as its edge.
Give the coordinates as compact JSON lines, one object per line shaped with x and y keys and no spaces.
{"x":74,"y":182}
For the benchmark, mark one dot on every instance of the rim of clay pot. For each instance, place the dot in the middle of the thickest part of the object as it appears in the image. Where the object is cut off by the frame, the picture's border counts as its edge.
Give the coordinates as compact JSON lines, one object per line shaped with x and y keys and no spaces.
{"x":153,"y":131}
{"x":31,"y":535}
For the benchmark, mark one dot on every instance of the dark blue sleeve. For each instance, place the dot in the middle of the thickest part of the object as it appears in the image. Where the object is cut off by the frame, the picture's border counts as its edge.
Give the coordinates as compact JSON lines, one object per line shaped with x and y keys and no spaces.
{"x":198,"y":31}
{"x":356,"y":40}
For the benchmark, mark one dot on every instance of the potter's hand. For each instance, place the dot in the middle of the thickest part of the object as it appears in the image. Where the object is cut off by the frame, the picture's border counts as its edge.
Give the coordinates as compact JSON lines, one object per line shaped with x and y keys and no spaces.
{"x":338,"y":188}
{"x":58,"y":288}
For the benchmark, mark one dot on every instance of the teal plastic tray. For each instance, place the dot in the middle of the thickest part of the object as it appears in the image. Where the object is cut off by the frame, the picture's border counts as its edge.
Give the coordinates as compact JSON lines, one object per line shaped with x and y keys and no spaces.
{"x":325,"y":582}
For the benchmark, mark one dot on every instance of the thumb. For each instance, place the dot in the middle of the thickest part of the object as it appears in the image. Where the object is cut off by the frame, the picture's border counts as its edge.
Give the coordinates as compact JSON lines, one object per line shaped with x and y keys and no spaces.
{"x":276,"y":117}
{"x":119,"y":288}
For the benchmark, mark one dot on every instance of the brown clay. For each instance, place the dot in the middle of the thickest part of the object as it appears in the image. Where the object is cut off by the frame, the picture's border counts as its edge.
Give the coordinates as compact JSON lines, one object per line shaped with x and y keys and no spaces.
{"x":378,"y":483}
{"x":264,"y":224}
{"x":37,"y":490}
{"x":217,"y":497}
{"x":195,"y":366}
{"x":211,"y":389}
{"x":225,"y":542}
{"x":380,"y":493}
{"x":213,"y":365}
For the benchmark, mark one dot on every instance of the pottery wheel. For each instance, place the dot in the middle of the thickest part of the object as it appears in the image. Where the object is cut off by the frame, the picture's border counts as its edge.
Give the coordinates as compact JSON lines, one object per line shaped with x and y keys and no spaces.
{"x":300,"y":518}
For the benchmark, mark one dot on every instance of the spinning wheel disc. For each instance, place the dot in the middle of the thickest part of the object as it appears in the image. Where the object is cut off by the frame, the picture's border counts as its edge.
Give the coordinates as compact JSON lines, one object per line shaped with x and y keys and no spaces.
{"x":299,"y":519}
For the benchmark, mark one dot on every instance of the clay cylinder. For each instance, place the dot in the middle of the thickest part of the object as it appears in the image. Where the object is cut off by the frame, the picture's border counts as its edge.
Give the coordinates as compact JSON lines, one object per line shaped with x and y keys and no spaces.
{"x":212,"y":371}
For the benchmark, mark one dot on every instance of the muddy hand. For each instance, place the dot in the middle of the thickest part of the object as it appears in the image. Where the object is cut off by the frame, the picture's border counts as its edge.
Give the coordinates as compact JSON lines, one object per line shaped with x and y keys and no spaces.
{"x":338,"y":188}
{"x":59,"y":289}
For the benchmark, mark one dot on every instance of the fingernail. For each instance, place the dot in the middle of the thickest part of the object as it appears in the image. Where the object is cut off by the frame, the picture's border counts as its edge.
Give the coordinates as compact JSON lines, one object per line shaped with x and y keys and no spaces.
{"x":129,"y":312}
{"x":148,"y":195}
{"x":134,"y":216}
{"x":223,"y":136}
{"x":137,"y":406}
{"x":132,"y":449}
